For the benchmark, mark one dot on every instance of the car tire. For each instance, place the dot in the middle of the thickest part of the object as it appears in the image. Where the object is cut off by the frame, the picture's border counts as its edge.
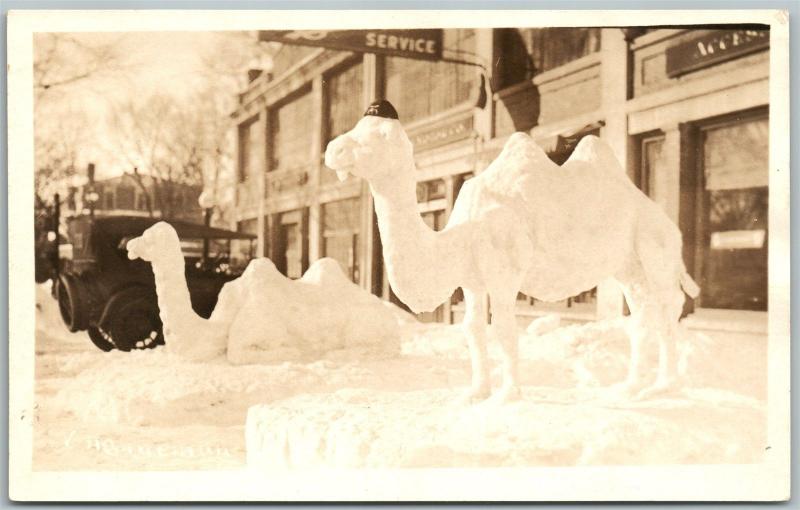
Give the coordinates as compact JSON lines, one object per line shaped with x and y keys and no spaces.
{"x":72,"y":301}
{"x":98,"y":338}
{"x":130,"y":324}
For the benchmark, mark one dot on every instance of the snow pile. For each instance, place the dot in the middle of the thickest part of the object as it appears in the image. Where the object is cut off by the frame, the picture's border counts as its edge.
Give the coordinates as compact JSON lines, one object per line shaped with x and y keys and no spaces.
{"x":549,"y":427}
{"x":49,"y":325}
{"x":133,"y":387}
{"x":141,"y":386}
{"x":346,"y":409}
{"x":568,"y":414}
{"x":593,"y":354}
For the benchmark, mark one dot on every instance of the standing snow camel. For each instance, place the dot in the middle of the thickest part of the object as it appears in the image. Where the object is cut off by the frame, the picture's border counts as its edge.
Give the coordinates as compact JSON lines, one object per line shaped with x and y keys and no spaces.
{"x":524,"y":224}
{"x":264,"y":317}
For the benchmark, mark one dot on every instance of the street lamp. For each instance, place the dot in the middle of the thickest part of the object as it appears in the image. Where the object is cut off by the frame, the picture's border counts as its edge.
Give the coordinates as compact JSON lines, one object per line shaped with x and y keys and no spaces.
{"x":91,"y":196}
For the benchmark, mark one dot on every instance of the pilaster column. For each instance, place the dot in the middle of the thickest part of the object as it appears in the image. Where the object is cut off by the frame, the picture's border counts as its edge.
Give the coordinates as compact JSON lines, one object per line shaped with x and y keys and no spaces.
{"x":666,"y":185}
{"x":614,"y":70}
{"x":450,"y":197}
{"x":369,"y":276}
{"x":261,"y":126}
{"x":314,"y":208}
{"x":484,"y":48}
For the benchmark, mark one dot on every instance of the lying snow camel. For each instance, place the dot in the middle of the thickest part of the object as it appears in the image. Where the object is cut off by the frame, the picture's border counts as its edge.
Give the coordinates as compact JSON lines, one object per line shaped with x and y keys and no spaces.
{"x":262,"y":316}
{"x":524,"y":224}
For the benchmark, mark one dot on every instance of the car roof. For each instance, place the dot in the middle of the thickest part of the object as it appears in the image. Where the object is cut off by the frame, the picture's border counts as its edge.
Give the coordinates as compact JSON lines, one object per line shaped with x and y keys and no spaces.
{"x":122,"y":226}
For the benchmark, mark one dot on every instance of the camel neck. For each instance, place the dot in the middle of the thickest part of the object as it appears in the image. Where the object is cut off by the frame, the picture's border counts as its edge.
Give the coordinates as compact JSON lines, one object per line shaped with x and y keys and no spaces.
{"x":398,"y":214}
{"x":413,"y":253}
{"x":173,"y":292}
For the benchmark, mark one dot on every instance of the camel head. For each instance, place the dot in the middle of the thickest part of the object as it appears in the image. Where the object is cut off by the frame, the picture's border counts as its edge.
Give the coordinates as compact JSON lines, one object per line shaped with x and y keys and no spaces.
{"x":155,"y":241}
{"x":377,"y":147}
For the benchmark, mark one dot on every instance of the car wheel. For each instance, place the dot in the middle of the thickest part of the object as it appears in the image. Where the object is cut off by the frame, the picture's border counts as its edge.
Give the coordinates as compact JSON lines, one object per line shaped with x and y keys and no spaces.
{"x":134,"y":325}
{"x":100,"y":339}
{"x":71,"y":302}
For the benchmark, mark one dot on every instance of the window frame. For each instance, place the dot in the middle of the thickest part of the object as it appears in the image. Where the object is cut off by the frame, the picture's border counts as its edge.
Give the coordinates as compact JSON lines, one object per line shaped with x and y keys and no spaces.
{"x":338,"y":70}
{"x":354,"y":233}
{"x":302,"y":92}
{"x":700,"y":220}
{"x":432,"y":115}
{"x":243,"y":146}
{"x":644,"y":174}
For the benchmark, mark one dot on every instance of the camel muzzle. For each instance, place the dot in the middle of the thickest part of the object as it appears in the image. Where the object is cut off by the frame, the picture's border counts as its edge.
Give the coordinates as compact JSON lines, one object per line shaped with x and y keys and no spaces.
{"x":133,"y":247}
{"x":339,"y":155}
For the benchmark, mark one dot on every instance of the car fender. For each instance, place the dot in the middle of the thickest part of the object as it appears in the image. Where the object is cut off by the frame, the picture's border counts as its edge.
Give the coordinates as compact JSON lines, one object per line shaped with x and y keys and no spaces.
{"x":126,"y":295}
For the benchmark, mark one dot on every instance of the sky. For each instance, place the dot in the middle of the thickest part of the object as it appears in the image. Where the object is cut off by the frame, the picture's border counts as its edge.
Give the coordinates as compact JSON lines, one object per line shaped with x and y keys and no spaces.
{"x":167,"y":63}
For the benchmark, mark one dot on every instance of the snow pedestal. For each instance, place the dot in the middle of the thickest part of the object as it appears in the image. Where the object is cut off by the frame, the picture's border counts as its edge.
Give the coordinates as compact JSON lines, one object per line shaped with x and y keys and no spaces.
{"x":549,"y":427}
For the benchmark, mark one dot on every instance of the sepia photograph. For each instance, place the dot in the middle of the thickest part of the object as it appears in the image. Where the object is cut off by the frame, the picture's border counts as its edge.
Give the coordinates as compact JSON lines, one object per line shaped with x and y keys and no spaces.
{"x":337,"y":259}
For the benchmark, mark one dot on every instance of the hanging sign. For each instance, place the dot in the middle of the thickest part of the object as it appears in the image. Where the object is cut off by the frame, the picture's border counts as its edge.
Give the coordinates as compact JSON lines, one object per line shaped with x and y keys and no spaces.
{"x":713,"y":48}
{"x":425,"y":44}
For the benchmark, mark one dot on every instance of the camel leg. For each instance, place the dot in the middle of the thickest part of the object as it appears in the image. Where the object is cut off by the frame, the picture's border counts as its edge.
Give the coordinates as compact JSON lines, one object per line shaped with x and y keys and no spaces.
{"x":505,"y":326}
{"x":667,"y":330}
{"x":660,"y":260}
{"x":634,"y":285}
{"x":475,"y":329}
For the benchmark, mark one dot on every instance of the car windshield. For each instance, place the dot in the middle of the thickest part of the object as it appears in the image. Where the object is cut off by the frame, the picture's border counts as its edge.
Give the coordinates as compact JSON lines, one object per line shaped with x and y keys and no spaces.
{"x":224,"y":255}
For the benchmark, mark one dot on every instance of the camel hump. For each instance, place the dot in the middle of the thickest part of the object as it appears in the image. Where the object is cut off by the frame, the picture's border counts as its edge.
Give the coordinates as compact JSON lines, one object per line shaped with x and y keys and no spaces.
{"x":523,"y":143}
{"x":521,"y":148}
{"x":263,"y":271}
{"x":325,"y":271}
{"x":591,"y":149}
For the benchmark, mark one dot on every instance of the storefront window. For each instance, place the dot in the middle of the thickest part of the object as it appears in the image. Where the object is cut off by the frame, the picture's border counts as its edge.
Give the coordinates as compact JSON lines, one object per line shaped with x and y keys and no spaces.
{"x":345,"y":105}
{"x":340,"y":228}
{"x":430,"y":190}
{"x":248,"y":147}
{"x":434,"y":219}
{"x":289,"y":253}
{"x":242,"y":250}
{"x":652,"y":164}
{"x":430,"y":196}
{"x":733,"y":228}
{"x":419,"y":88}
{"x":292,"y":239}
{"x":291,"y":134}
{"x":524,"y":52}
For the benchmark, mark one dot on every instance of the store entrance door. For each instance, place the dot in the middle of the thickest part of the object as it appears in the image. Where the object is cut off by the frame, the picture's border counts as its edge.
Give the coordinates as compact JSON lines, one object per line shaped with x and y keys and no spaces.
{"x":290,"y":258}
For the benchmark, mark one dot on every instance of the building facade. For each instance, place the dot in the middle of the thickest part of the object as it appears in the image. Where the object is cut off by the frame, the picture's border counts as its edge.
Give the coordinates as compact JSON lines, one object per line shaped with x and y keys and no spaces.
{"x":685,"y":110}
{"x":131,"y":195}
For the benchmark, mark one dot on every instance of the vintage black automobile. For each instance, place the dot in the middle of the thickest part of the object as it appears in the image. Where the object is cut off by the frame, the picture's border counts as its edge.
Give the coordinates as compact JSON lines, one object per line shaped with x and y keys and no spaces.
{"x":101,"y":291}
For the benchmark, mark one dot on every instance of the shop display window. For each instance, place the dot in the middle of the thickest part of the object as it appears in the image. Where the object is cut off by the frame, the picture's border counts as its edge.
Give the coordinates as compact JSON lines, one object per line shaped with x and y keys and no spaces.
{"x":732,"y":224}
{"x":525,"y":52}
{"x":344,"y":105}
{"x":248,"y":147}
{"x":341,"y":221}
{"x":652,"y":163}
{"x":291,"y":134}
{"x":418,"y":88}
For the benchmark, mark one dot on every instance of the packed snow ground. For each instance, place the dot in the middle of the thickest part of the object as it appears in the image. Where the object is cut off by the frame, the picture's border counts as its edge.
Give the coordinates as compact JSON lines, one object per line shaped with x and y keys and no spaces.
{"x":150,"y":410}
